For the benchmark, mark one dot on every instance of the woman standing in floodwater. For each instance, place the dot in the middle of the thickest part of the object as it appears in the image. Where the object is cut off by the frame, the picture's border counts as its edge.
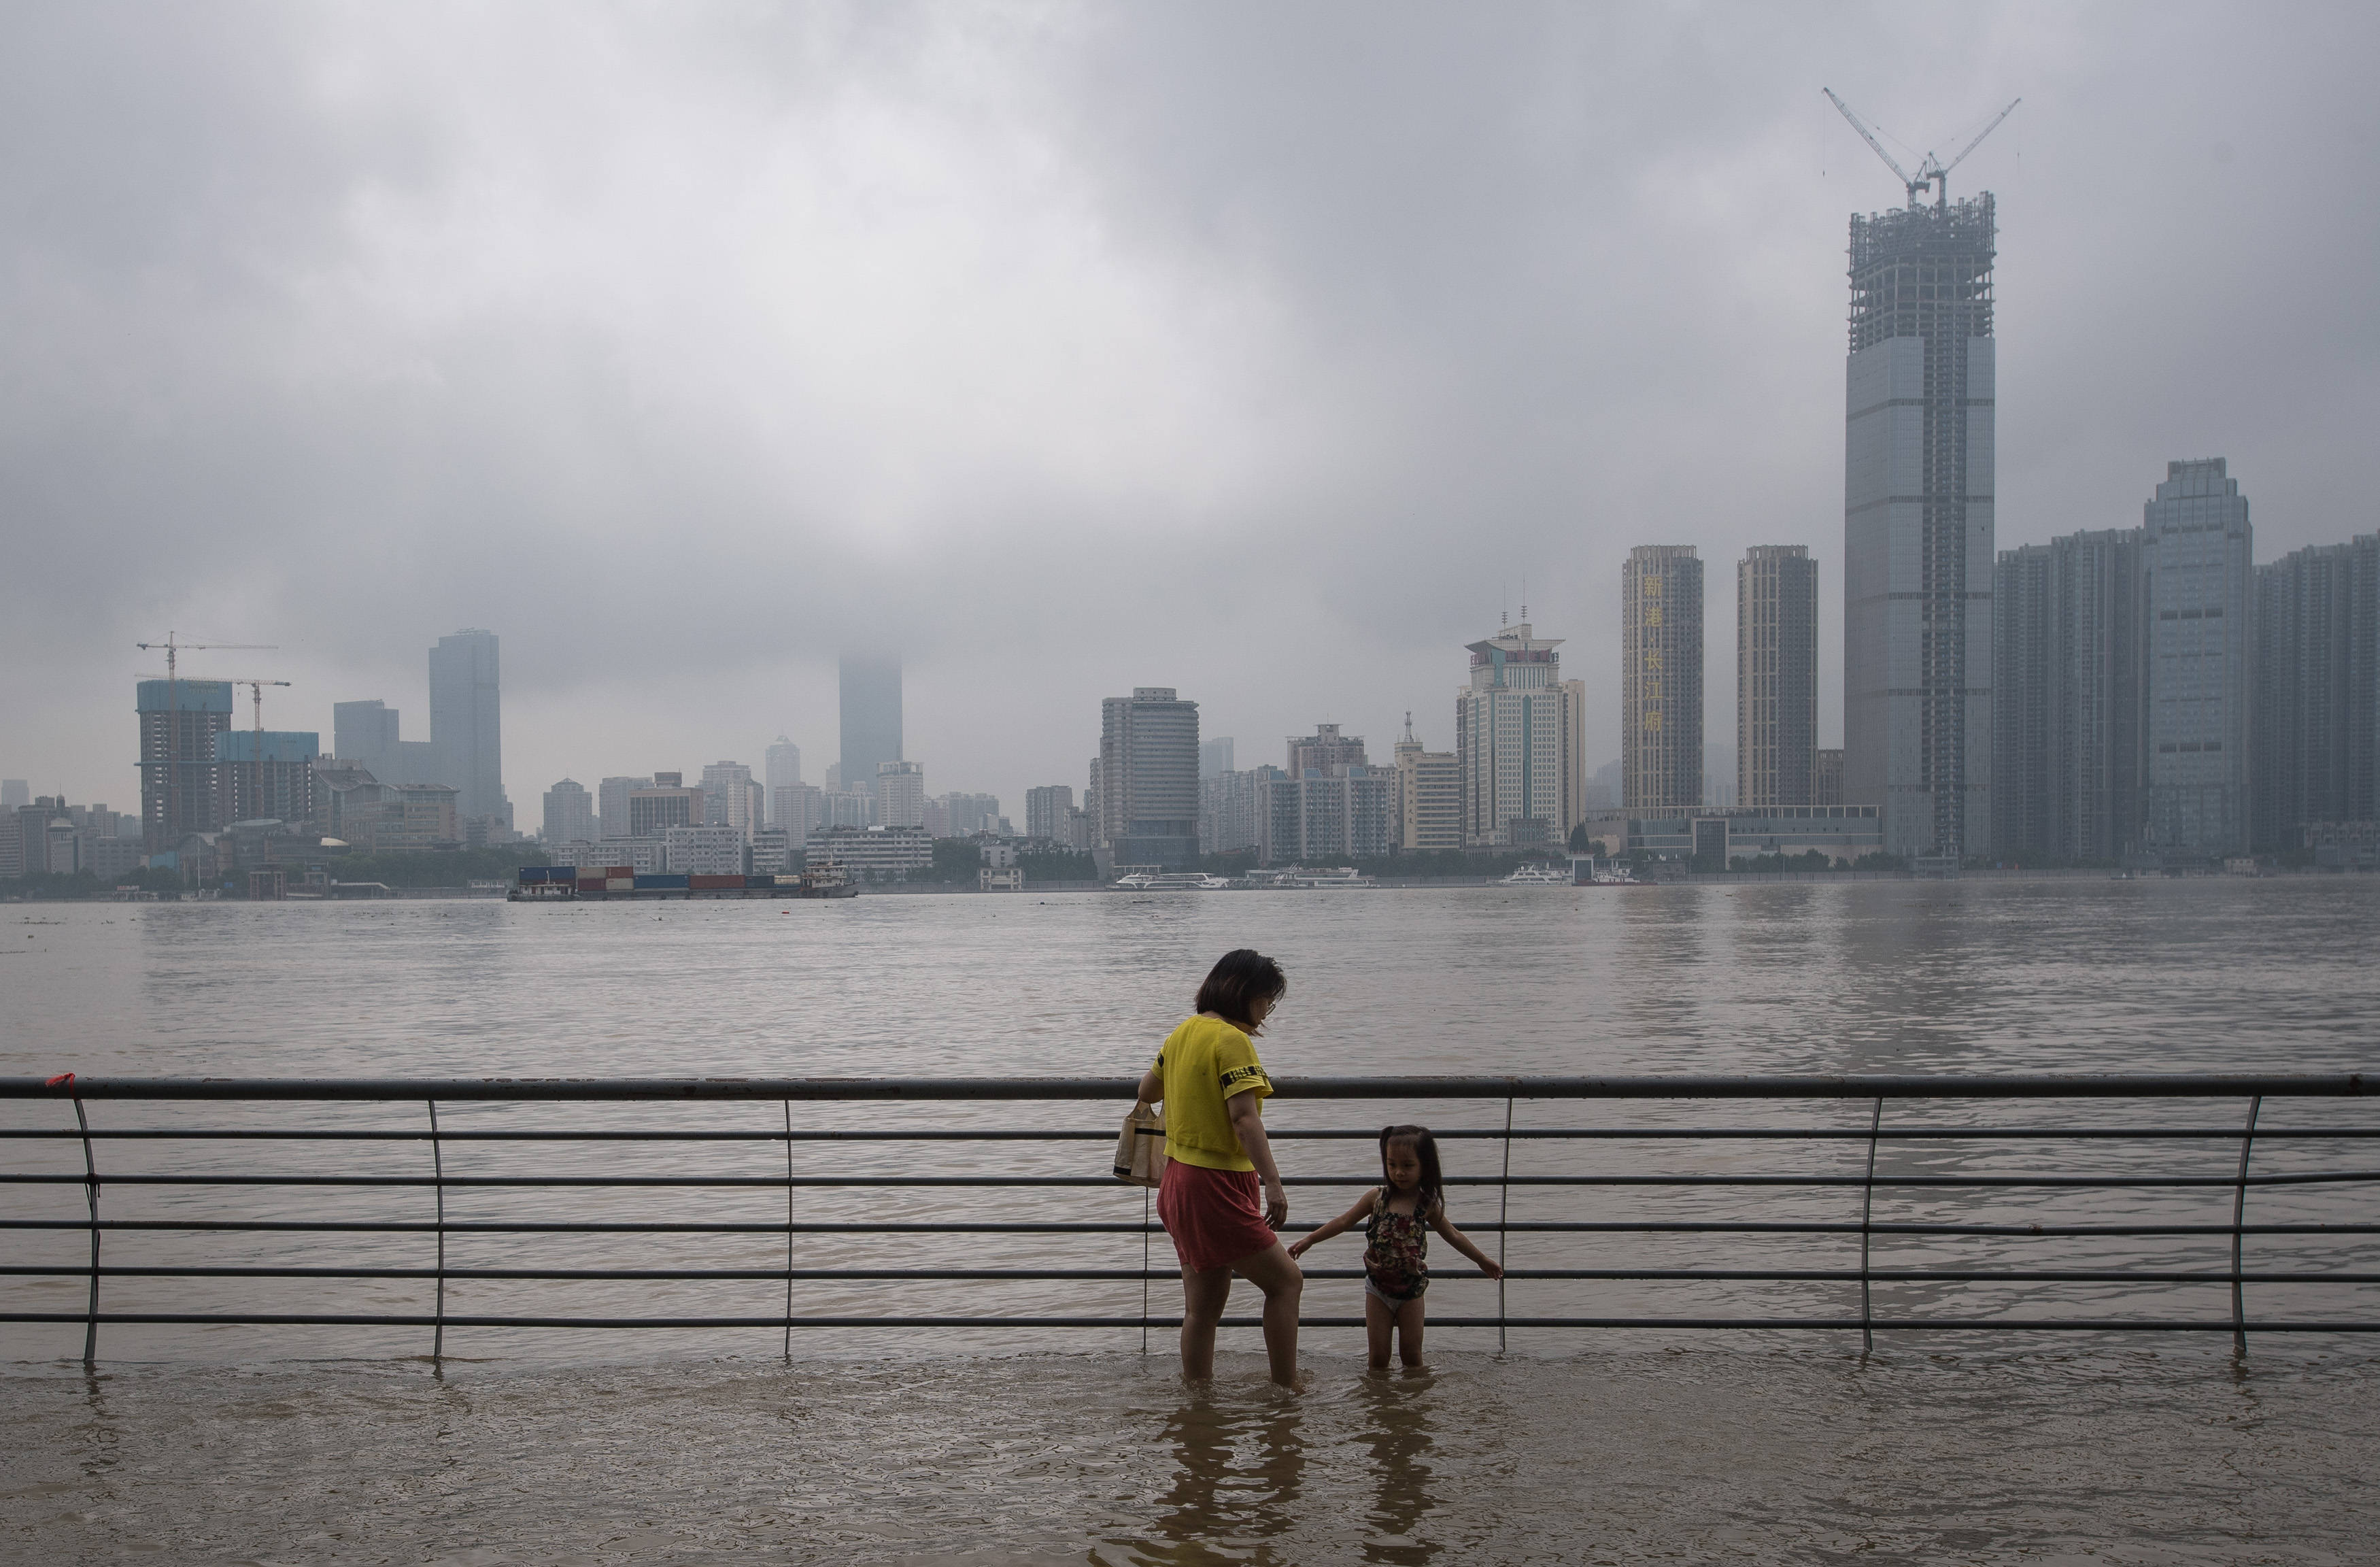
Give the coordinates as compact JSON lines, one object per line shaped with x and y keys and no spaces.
{"x":1213,"y":1088}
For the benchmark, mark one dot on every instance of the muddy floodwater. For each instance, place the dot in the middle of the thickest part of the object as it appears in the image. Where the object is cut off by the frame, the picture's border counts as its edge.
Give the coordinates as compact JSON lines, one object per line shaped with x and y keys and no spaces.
{"x":1693,"y":1456}
{"x":277,"y":1444}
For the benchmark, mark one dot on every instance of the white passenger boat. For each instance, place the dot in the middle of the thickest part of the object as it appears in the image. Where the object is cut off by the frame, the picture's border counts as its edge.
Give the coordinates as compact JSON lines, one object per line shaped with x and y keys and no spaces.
{"x":1169,"y":881}
{"x":1538,"y":873}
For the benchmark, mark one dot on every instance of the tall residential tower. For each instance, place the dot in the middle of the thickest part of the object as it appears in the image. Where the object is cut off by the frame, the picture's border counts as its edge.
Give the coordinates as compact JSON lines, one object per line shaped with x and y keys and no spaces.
{"x":1775,"y":675}
{"x":1661,"y":679}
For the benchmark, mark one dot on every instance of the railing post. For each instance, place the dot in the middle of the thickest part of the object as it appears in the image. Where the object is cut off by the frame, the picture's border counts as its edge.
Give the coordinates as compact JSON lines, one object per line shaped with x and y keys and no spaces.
{"x":438,"y":1184}
{"x":1143,"y":1271}
{"x":1867,"y":1212}
{"x":91,"y":1195}
{"x":789,"y":1232}
{"x":2239,"y":1213}
{"x":1503,"y":1216}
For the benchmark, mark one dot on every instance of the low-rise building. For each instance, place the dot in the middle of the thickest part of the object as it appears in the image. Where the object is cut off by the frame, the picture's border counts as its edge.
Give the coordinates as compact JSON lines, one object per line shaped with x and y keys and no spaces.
{"x":772,"y":851}
{"x":872,"y":853}
{"x":713,"y":849}
{"x":1000,"y":878}
{"x":1840,"y":832}
{"x":643,"y":857}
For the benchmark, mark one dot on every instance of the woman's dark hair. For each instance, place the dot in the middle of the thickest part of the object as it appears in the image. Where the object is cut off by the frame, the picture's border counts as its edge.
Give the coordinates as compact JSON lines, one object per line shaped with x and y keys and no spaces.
{"x":1237,"y":983}
{"x":1425,"y":1194}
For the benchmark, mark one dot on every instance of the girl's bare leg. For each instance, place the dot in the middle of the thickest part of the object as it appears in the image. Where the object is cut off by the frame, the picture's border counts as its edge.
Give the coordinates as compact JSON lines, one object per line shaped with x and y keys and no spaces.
{"x":1204,"y":1291}
{"x":1408,"y":1333}
{"x":1379,"y":1324}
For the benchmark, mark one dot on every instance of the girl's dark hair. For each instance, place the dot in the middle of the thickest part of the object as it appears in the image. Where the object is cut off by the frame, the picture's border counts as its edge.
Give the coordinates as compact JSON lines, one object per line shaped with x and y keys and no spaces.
{"x":1237,"y":983}
{"x":1426,"y":1196}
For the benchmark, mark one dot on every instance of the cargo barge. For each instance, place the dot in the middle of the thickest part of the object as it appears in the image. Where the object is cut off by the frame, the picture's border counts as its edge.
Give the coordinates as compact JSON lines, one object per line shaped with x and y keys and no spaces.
{"x":561,"y":883}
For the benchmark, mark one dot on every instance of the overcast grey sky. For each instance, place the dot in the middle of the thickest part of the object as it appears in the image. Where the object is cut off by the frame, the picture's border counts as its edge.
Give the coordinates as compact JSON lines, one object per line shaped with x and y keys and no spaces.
{"x":1262,"y":351}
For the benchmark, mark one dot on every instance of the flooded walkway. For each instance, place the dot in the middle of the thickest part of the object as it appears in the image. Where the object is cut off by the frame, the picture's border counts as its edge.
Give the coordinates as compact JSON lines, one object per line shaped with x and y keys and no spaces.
{"x":2102,"y":1455}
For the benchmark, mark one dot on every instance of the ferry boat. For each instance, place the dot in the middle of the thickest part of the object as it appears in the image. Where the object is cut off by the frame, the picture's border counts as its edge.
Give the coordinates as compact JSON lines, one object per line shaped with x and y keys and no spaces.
{"x":1538,"y":873}
{"x":1169,"y":881}
{"x":556,"y":883}
{"x":1331,"y":879}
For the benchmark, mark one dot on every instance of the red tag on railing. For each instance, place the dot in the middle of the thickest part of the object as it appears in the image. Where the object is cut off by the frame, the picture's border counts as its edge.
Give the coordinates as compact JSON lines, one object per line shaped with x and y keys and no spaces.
{"x":60,"y":1081}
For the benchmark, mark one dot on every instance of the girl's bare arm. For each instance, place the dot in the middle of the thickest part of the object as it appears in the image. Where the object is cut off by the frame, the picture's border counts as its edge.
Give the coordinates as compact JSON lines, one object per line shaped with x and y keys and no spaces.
{"x":1152,"y":1087}
{"x":1461,"y":1243}
{"x":1338,"y":1226}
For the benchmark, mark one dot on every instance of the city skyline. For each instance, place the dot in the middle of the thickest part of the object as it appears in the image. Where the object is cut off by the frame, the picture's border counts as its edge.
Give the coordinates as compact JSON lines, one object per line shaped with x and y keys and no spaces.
{"x":1481,"y":393}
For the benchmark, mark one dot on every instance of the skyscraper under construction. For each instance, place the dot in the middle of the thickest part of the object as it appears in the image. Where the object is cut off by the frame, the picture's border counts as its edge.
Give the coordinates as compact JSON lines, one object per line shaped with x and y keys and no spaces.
{"x":1918,"y":525}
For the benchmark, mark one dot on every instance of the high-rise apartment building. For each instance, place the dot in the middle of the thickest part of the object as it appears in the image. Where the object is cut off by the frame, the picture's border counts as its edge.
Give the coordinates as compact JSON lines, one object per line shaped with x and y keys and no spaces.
{"x":2196,"y":554}
{"x":781,"y":764}
{"x":569,"y":814}
{"x":1775,"y":675}
{"x":870,"y":713}
{"x":1215,"y":756}
{"x":1661,"y":679}
{"x":2066,"y":692}
{"x":1518,"y":738}
{"x":181,"y":786}
{"x":727,"y":797}
{"x":1232,"y":807}
{"x":797,"y":809}
{"x":1429,"y":796}
{"x":1325,"y":750}
{"x":466,"y":724}
{"x":15,"y":792}
{"x":2316,"y":719}
{"x":900,"y":794}
{"x":1149,"y":778}
{"x":1045,"y":811}
{"x":1317,"y":818}
{"x":612,"y":799}
{"x":1918,"y":525}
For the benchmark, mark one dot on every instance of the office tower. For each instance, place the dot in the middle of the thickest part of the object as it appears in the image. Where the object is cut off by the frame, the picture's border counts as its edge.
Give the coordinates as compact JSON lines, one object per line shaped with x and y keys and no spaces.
{"x":1917,"y":526}
{"x":1826,"y":778}
{"x":2316,"y":719}
{"x":665,"y":804}
{"x":1517,"y":729}
{"x":1215,"y":756}
{"x":900,"y":794}
{"x":727,"y":797}
{"x":2196,"y":548}
{"x":363,"y":733}
{"x":612,"y":795}
{"x":871,"y":712}
{"x":1149,"y":778}
{"x":1775,"y":675}
{"x":1429,"y":796}
{"x":15,"y":792}
{"x":569,"y":814}
{"x":782,"y":763}
{"x":181,"y":790}
{"x":1661,"y":679}
{"x":467,"y":724}
{"x":2066,"y":689}
{"x":267,"y":776}
{"x":1045,"y":811}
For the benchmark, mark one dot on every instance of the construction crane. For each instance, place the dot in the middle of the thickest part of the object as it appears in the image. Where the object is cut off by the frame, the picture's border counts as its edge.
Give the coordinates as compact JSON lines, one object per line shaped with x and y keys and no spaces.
{"x":172,"y":719}
{"x":1931,"y":171}
{"x":256,"y":758}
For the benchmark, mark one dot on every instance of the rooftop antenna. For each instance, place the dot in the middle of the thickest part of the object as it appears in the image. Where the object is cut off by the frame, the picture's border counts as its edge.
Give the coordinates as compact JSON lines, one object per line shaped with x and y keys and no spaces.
{"x":1409,"y":735}
{"x":1931,"y":171}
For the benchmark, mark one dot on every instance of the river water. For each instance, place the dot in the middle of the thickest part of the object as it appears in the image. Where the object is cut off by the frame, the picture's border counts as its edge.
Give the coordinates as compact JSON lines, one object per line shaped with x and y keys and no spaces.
{"x":309,"y":1444}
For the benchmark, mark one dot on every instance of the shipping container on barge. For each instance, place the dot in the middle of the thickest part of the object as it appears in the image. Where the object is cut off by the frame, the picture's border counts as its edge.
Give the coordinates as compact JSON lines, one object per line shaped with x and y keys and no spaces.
{"x":598,"y":883}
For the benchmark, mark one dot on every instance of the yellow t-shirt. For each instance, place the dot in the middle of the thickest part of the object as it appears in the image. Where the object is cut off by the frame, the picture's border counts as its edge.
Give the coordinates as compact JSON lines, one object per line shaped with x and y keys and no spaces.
{"x":1202,"y":1063}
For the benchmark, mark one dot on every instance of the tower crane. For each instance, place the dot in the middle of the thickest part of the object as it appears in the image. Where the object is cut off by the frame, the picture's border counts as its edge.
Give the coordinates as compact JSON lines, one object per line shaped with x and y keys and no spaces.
{"x":1931,"y":171}
{"x":172,"y":719}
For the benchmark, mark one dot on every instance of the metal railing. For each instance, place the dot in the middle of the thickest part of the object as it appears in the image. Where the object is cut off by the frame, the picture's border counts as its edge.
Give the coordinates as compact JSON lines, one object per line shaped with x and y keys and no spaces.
{"x":1959,"y":1169}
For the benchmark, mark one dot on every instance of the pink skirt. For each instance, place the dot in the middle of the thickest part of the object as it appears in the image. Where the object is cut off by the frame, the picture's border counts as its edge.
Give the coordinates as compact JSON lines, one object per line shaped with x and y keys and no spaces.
{"x":1216,"y":1217}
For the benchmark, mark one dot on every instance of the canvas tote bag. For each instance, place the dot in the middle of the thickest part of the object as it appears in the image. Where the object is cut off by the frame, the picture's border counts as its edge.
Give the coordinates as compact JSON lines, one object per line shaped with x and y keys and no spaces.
{"x":1140,"y":1148}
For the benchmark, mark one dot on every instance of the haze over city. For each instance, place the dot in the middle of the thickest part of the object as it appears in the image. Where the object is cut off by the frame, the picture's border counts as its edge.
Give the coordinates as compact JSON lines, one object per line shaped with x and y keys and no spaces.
{"x":1267,"y":356}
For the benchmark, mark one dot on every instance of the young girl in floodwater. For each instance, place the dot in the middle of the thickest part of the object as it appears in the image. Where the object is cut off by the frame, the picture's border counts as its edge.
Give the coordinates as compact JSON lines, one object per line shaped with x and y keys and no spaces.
{"x":1394,"y":1215}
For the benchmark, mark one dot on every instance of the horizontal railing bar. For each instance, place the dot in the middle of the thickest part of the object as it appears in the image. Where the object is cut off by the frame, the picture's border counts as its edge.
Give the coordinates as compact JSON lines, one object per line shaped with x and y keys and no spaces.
{"x":1842,"y":1086}
{"x":1135,"y":1275}
{"x":1108,"y":1183}
{"x":945,"y":1134}
{"x":1982,"y":1324}
{"x":1517,"y":1226}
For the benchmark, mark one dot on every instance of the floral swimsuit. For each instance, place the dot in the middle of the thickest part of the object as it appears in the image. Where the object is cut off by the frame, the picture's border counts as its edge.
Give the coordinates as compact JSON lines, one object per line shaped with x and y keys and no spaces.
{"x":1396,"y":1266}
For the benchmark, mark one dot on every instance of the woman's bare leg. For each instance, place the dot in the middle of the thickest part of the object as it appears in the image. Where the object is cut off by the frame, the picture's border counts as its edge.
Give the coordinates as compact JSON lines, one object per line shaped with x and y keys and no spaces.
{"x":1379,"y":1324}
{"x":1204,"y":1292}
{"x":1408,"y":1333}
{"x":1275,"y":1272}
